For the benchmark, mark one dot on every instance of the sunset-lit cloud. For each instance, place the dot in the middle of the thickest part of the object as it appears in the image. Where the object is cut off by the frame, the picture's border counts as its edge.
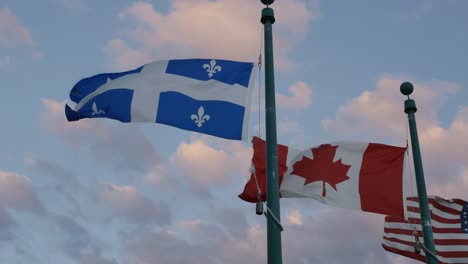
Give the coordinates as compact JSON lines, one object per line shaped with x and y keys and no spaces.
{"x":190,"y":28}
{"x":12,"y":31}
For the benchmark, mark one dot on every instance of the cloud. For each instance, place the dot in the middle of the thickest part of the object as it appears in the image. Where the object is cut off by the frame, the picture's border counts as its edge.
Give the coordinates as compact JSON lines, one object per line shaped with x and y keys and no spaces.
{"x":326,"y":236}
{"x":124,"y":147}
{"x":335,"y":236}
{"x":77,"y":238}
{"x":52,"y":169}
{"x":126,"y":202}
{"x":158,"y":176}
{"x":62,"y":185}
{"x":12,"y":32}
{"x":380,"y":111}
{"x":74,"y":239}
{"x":92,"y":258}
{"x":378,"y":115}
{"x":7,"y":226}
{"x":204,"y":164}
{"x":235,"y":219}
{"x":146,"y":246}
{"x":202,"y":242}
{"x":300,"y":98}
{"x":207,"y":166}
{"x":444,"y":157}
{"x":294,"y":217}
{"x":228,"y":29}
{"x":16,"y":193}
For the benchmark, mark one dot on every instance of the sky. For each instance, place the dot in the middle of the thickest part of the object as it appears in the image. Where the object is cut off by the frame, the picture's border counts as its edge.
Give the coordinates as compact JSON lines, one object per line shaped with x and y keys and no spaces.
{"x":104,"y":192}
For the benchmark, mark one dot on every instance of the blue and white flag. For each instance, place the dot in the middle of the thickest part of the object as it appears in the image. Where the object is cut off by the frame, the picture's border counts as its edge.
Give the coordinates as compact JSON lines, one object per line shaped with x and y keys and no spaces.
{"x":208,"y":96}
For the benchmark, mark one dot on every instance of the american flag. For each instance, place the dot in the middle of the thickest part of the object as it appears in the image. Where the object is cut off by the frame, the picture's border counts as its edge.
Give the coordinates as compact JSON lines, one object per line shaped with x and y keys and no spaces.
{"x":449,"y":227}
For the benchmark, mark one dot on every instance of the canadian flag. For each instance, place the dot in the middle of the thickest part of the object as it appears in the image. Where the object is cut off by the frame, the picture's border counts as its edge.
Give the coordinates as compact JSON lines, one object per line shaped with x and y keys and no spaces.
{"x":354,"y":175}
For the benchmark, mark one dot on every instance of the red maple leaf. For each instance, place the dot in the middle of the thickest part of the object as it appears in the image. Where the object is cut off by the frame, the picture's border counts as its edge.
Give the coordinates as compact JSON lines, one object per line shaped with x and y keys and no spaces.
{"x":322,"y":168}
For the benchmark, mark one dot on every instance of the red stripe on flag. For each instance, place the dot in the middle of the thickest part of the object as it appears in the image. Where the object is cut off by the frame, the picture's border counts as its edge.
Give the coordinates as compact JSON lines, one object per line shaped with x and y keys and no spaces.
{"x":380,"y":179}
{"x":250,"y":193}
{"x":435,"y":230}
{"x":434,"y":217}
{"x":451,"y":243}
{"x":454,"y":254}
{"x":438,"y":206}
{"x":406,"y":253}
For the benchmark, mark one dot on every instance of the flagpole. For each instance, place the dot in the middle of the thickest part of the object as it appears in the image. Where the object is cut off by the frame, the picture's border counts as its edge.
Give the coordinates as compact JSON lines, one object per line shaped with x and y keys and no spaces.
{"x":406,"y":88}
{"x":273,"y":207}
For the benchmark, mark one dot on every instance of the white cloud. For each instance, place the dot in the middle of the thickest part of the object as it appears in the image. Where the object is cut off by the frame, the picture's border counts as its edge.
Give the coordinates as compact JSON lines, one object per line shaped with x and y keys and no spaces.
{"x":126,"y":202}
{"x":228,"y":29}
{"x":294,"y":217}
{"x":191,"y":225}
{"x":52,"y":118}
{"x":300,"y":98}
{"x":125,"y":147}
{"x":156,"y":175}
{"x":378,"y":114}
{"x":208,"y":166}
{"x":159,"y":177}
{"x":202,"y":163}
{"x":320,"y":239}
{"x":16,"y":193}
{"x":12,"y":32}
{"x":380,"y":111}
{"x":7,"y":226}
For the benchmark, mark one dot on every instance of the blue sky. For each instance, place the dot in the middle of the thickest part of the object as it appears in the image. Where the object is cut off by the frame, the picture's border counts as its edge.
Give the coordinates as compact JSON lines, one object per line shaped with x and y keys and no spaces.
{"x":98,"y":191}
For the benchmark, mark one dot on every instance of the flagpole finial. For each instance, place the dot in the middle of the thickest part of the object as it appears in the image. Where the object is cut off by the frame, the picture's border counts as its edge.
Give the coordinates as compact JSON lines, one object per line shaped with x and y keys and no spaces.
{"x":406,"y":88}
{"x":267,"y":15}
{"x":267,"y":2}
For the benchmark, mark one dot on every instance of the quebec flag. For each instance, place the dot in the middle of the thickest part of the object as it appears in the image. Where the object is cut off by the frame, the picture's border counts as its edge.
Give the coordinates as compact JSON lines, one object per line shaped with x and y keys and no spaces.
{"x":209,"y":96}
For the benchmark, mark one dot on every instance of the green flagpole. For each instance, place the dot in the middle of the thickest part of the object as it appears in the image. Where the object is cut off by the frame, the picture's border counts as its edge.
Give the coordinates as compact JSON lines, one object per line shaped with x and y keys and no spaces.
{"x":273,"y":207}
{"x":406,"y":88}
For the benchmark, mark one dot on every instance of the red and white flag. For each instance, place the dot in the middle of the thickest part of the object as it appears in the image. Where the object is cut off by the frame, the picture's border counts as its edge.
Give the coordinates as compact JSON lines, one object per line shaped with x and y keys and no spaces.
{"x":361,"y":176}
{"x":449,"y":227}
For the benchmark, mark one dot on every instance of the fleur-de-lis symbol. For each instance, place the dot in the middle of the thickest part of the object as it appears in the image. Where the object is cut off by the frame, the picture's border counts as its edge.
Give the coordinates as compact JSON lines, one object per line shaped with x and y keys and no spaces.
{"x":201,"y":117}
{"x":96,"y":111}
{"x":212,"y":68}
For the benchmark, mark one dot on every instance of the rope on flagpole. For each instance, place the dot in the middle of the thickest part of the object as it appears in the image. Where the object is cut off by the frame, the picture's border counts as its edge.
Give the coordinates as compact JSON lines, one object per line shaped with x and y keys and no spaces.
{"x":252,"y":170}
{"x":269,"y":213}
{"x":259,"y":206}
{"x":260,"y":84}
{"x":260,"y":203}
{"x":420,"y":245}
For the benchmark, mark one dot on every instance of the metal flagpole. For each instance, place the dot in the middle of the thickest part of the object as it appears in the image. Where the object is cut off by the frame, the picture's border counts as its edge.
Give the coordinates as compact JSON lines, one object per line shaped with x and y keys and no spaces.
{"x":273,"y":207}
{"x":406,"y":88}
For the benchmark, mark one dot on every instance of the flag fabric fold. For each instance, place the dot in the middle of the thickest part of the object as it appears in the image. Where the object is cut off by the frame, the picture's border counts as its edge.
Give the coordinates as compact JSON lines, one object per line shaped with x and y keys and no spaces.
{"x":353,"y":175}
{"x":258,"y":175}
{"x":209,"y":96}
{"x":449,"y":227}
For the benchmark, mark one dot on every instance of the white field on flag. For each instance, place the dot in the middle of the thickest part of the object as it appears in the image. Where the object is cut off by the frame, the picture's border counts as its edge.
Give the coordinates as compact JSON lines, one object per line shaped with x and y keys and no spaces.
{"x":449,"y":226}
{"x":354,"y":175}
